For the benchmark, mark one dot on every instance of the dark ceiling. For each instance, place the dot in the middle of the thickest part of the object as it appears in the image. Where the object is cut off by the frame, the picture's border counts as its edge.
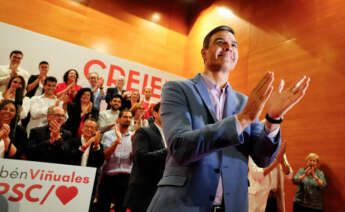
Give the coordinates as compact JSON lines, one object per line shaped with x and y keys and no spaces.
{"x":177,"y":15}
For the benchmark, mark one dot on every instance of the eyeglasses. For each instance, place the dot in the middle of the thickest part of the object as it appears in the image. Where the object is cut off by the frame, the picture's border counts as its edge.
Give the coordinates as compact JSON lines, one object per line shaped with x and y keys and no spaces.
{"x":59,"y":115}
{"x":90,"y":127}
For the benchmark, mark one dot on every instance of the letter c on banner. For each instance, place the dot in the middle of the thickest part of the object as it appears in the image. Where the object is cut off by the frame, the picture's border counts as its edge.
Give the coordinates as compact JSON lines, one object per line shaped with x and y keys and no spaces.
{"x":28,"y":193}
{"x":90,"y":63}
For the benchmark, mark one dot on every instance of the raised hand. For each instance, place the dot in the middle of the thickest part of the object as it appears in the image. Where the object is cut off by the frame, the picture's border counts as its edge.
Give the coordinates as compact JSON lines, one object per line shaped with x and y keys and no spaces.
{"x":282,"y":101}
{"x":118,"y":134}
{"x":5,"y":131}
{"x":256,"y":100}
{"x":100,"y":82}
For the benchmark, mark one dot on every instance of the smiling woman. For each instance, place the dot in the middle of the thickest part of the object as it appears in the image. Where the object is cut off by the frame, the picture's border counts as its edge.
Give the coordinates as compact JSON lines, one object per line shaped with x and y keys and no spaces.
{"x":13,"y":138}
{"x":311,"y":182}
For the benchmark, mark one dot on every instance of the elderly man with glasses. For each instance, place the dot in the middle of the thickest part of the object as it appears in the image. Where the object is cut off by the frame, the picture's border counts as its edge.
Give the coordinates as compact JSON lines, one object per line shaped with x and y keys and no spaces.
{"x":49,"y":143}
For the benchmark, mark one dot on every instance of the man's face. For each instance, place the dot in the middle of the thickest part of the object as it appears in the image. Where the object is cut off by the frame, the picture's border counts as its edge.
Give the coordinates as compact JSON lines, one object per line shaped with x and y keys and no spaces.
{"x":120,"y":82}
{"x":222,"y":52}
{"x":89,"y":128}
{"x":125,"y":119}
{"x":115,"y":103}
{"x":49,"y":88}
{"x":93,"y":79}
{"x":58,"y":115}
{"x":148,"y":93}
{"x":44,"y":68}
{"x":16,"y":59}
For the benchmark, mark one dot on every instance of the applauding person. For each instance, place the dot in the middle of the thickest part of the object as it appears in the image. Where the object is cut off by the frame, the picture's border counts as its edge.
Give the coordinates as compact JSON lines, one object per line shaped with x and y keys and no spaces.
{"x":69,"y":86}
{"x":48,"y":143}
{"x":13,"y":139}
{"x":310,"y":181}
{"x":80,"y":110}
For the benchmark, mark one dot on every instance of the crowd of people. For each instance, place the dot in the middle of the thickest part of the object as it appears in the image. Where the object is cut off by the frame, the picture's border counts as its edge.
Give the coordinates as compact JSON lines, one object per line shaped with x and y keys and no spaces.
{"x":212,"y":137}
{"x":42,"y":119}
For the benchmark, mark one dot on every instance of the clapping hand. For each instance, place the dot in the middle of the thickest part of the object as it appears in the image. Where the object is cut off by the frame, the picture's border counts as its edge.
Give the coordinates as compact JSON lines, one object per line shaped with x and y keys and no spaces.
{"x":282,"y":101}
{"x":54,"y":128}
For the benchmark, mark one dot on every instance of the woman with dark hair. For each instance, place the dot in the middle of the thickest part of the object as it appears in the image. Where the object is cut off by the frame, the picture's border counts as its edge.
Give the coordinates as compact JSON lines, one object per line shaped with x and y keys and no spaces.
{"x":311,"y":182}
{"x":13,"y":138}
{"x":10,"y":93}
{"x":69,"y":86}
{"x":80,"y":110}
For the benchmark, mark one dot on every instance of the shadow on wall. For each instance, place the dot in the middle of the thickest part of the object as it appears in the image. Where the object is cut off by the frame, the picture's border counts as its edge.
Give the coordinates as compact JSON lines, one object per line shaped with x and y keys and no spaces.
{"x":331,"y":194}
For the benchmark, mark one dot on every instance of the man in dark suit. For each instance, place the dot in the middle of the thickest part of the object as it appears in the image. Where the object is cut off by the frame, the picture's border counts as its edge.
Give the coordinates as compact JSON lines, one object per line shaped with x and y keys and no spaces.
{"x":48,"y":143}
{"x":149,"y":149}
{"x":119,"y":89}
{"x":87,"y":150}
{"x":211,"y":130}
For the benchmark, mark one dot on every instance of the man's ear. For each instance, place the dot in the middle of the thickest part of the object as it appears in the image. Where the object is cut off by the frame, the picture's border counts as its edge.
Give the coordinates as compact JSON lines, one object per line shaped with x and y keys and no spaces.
{"x":203,"y":54}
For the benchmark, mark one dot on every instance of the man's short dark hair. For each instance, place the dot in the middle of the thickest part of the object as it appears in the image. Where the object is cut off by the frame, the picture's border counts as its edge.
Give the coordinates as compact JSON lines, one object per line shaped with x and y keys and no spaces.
{"x":213,"y":31}
{"x":124,"y":111}
{"x":91,"y":119}
{"x":50,"y":79}
{"x":16,"y":52}
{"x":117,"y":96}
{"x":65,"y":76}
{"x":156,"y":107}
{"x":43,"y":62}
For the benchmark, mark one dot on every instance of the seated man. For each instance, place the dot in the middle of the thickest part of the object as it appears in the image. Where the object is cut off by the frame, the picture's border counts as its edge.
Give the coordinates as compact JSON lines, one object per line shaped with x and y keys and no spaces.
{"x":48,"y":143}
{"x":87,"y":150}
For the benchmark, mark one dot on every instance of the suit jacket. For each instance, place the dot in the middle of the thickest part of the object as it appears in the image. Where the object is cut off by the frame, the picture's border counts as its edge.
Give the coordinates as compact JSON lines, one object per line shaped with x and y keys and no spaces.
{"x":110,"y":93}
{"x":148,"y":166}
{"x":96,"y":157}
{"x":40,"y":149}
{"x":201,"y":149}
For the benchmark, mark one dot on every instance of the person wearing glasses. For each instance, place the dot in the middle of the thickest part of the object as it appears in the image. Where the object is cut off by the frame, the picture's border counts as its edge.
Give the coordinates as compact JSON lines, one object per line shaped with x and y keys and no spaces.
{"x":48,"y":143}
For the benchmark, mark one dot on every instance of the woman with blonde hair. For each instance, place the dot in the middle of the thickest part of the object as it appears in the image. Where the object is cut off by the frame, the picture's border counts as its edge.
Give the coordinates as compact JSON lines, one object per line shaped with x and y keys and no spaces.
{"x":310,"y":181}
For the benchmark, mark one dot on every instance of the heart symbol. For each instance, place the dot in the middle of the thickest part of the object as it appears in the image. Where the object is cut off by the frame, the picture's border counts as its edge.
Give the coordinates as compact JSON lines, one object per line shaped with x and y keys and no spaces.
{"x":66,"y":194}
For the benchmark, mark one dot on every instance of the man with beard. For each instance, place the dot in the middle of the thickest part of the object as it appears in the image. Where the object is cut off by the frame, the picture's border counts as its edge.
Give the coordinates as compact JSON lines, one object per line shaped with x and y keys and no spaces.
{"x":117,"y":168}
{"x":107,"y":118}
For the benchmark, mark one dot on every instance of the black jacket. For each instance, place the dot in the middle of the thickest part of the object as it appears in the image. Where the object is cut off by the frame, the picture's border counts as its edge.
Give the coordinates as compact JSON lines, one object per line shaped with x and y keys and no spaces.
{"x":148,"y":166}
{"x":40,"y":149}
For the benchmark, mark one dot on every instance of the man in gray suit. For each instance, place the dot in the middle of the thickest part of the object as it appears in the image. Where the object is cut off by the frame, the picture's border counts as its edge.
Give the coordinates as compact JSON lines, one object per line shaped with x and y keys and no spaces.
{"x":211,"y":130}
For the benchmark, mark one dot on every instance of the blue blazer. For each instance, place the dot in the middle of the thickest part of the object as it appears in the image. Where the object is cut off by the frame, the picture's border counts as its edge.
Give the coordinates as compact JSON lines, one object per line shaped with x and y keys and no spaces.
{"x":201,"y":149}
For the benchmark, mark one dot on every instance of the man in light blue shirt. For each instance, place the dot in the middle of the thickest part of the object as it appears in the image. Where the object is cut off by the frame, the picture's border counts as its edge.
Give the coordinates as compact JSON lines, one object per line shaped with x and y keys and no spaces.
{"x":117,"y":168}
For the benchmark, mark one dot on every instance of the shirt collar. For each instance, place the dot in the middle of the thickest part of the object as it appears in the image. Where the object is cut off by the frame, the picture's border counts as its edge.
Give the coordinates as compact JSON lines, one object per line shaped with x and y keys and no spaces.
{"x":210,"y":84}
